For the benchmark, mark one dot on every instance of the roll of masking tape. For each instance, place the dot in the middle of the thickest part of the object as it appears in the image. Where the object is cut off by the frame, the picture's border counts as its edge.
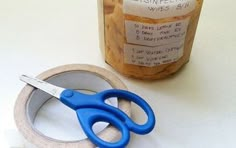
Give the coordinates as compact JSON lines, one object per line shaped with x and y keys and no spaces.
{"x":80,"y":77}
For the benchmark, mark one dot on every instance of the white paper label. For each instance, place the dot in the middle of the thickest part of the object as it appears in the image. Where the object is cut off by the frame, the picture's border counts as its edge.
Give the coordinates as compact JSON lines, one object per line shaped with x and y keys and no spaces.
{"x":153,"y":56}
{"x":157,"y":9}
{"x":155,"y":34}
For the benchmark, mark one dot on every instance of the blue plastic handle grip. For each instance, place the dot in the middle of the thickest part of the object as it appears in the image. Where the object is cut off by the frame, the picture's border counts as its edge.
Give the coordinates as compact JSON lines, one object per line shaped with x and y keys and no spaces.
{"x":88,"y":117}
{"x":92,"y":108}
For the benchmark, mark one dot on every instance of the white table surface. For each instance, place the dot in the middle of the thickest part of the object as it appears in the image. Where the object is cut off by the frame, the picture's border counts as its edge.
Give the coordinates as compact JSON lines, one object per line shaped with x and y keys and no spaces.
{"x":196,"y":108}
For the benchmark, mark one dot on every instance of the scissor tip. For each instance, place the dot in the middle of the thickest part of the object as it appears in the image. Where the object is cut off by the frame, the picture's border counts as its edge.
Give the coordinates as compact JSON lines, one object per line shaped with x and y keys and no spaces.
{"x":23,"y":77}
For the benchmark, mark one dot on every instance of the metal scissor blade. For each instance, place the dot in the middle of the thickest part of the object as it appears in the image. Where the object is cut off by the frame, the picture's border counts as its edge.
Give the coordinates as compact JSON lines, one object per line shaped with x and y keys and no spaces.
{"x":42,"y":85}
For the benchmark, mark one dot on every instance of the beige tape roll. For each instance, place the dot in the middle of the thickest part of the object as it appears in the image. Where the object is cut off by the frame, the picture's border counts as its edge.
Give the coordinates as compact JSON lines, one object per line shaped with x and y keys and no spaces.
{"x":74,"y":76}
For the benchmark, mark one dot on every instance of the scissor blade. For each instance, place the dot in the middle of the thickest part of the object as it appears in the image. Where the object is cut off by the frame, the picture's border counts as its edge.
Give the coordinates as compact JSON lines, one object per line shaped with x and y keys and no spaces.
{"x":44,"y":86}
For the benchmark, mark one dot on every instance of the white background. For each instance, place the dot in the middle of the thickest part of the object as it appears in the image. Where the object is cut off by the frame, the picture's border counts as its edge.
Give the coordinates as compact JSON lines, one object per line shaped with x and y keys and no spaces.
{"x":196,"y":108}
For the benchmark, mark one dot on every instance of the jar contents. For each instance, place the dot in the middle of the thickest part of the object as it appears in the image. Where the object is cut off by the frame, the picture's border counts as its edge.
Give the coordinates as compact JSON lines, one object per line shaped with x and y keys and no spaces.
{"x":148,"y":39}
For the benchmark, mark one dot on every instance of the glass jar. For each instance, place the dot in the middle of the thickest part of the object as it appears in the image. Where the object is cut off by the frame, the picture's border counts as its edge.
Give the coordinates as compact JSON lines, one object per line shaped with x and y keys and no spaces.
{"x":148,"y":39}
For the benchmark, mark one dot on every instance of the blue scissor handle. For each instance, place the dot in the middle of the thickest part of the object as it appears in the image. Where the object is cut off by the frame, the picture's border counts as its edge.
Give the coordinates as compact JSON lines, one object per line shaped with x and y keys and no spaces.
{"x":89,"y":116}
{"x":132,"y":126}
{"x":92,"y":108}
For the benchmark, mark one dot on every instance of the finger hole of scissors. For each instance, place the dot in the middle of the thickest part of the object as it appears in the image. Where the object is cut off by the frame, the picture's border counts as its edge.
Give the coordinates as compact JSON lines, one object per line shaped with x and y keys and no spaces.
{"x":119,"y":141}
{"x":113,"y":101}
{"x":96,"y":126}
{"x":140,"y":117}
{"x":89,"y":117}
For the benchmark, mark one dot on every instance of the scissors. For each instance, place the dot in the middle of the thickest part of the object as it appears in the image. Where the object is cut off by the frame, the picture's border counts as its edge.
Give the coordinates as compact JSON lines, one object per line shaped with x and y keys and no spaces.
{"x":91,"y":109}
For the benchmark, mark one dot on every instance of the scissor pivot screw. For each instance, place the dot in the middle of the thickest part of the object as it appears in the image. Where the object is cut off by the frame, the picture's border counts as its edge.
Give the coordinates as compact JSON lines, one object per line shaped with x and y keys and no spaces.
{"x":68,"y":93}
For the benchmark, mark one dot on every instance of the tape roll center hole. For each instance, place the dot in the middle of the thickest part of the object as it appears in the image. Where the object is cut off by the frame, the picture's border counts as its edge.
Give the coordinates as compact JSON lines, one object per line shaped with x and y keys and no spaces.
{"x":57,"y":121}
{"x":51,"y":118}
